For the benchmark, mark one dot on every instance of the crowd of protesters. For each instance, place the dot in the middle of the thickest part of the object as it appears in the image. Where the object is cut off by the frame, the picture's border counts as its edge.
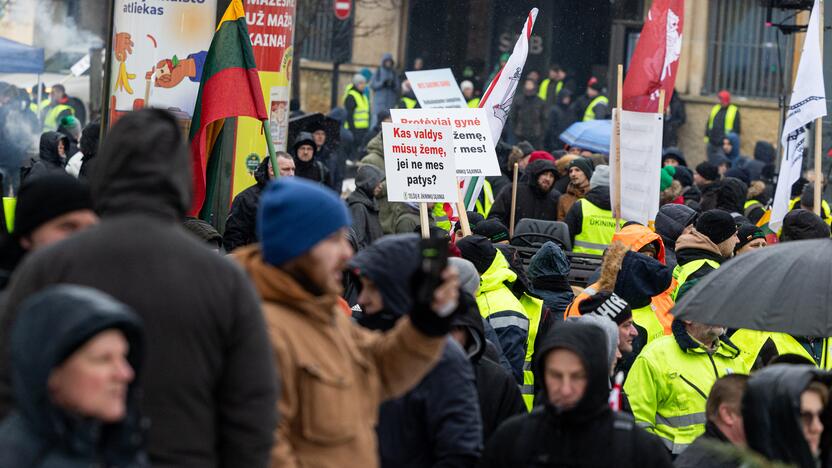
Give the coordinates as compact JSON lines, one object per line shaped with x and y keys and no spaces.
{"x":129,"y":338}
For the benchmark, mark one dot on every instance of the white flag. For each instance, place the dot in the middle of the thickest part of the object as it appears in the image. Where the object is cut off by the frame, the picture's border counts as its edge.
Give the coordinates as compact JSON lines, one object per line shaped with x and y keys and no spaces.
{"x":497,"y":101}
{"x":808,"y":102}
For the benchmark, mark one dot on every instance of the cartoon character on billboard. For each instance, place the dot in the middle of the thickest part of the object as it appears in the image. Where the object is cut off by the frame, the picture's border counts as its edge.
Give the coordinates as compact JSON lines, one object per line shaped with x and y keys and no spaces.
{"x":123,"y":46}
{"x":170,"y":72}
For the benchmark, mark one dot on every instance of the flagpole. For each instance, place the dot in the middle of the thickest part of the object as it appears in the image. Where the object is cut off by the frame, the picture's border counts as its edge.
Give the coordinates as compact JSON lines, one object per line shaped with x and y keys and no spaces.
{"x":513,"y":201}
{"x":619,"y":107}
{"x":651,"y":223}
{"x":272,"y":156}
{"x":819,"y":130}
{"x":463,"y":213}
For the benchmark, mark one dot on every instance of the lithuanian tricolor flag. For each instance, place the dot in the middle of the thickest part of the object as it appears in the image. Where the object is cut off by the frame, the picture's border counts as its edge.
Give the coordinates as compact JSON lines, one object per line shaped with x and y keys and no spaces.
{"x":230,"y":87}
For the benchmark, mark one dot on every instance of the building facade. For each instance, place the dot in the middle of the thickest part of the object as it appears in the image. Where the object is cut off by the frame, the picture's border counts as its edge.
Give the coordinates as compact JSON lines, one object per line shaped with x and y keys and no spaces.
{"x":727,"y":45}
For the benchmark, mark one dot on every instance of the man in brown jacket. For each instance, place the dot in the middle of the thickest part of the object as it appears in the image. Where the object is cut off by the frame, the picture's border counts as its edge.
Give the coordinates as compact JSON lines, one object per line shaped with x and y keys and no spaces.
{"x":580,"y":171}
{"x":334,"y":373}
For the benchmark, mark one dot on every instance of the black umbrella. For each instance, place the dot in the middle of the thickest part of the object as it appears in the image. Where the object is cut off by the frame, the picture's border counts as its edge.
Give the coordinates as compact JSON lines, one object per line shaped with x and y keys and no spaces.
{"x":310,"y":123}
{"x":784,"y":288}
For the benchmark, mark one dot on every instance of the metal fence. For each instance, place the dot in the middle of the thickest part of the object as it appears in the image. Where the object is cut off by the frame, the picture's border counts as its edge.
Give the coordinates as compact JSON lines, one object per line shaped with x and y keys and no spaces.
{"x":744,"y":56}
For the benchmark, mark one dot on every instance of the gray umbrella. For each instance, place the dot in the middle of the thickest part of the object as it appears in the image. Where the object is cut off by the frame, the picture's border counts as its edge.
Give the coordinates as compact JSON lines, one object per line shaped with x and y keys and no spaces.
{"x":784,"y":288}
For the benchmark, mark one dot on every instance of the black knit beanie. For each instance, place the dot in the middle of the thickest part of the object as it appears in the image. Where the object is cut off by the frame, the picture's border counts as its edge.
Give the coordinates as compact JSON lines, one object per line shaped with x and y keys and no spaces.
{"x":717,"y":225}
{"x":708,"y":171}
{"x":44,"y":198}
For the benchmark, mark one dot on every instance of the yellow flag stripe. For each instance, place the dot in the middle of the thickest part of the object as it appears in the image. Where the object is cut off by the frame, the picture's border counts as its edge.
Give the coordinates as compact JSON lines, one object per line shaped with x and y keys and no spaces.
{"x":234,"y":12}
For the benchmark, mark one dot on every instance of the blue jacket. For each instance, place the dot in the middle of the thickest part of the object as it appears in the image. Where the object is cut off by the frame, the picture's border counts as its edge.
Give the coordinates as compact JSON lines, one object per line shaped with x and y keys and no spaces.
{"x":50,"y":326}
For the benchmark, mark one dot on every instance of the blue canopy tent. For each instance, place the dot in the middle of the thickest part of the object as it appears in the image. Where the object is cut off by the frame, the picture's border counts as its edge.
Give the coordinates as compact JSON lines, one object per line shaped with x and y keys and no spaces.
{"x":20,"y":58}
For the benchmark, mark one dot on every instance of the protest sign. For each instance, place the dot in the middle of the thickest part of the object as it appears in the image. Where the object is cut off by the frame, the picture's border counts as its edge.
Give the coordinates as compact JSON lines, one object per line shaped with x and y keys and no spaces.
{"x":419,"y":163}
{"x":436,"y":89}
{"x":641,"y":155}
{"x":159,"y":50}
{"x":474,"y":153}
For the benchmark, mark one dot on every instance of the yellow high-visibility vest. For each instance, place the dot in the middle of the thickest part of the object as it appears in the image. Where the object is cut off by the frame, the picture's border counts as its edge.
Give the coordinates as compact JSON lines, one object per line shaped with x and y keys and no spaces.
{"x":361,"y":114}
{"x":597,"y":229}
{"x":730,"y":118}
{"x":589,"y":114}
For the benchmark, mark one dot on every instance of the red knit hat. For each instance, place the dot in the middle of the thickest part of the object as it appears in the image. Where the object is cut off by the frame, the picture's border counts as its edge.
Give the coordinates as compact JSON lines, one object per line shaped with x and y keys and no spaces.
{"x":538,"y":155}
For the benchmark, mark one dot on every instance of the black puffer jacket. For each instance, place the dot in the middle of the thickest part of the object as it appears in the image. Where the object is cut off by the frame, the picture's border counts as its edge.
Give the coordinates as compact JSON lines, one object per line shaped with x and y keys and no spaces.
{"x":209,"y":384}
{"x":52,"y":326}
{"x":241,"y":224}
{"x":588,"y":434}
{"x":437,"y":423}
{"x":771,"y":413}
{"x":531,"y":201}
{"x":48,"y":157}
{"x":499,"y":396}
{"x":364,"y":206}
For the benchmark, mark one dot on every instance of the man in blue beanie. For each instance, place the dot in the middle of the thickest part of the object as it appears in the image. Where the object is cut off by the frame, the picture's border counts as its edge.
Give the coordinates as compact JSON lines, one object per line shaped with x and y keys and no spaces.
{"x":336,"y":373}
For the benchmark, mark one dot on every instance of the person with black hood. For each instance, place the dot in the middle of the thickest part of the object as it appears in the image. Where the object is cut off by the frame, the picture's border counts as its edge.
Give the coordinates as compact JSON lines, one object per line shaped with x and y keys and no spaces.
{"x":801,"y":225}
{"x":536,"y":199}
{"x":784,"y":416}
{"x":307,"y":165}
{"x":364,"y":206}
{"x":51,"y":156}
{"x":590,"y":221}
{"x":673,"y":156}
{"x":327,"y":154}
{"x":76,"y":356}
{"x":210,"y":385}
{"x":240,"y":225}
{"x":764,"y":155}
{"x":671,"y":222}
{"x":548,"y":272}
{"x":499,"y":396}
{"x":436,"y":423}
{"x":703,"y":249}
{"x":729,"y":194}
{"x":89,"y":148}
{"x":575,"y":426}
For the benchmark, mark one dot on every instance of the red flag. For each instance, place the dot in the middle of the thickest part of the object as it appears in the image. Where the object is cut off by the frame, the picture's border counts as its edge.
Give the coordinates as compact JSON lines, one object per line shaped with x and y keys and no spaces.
{"x":656,"y":58}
